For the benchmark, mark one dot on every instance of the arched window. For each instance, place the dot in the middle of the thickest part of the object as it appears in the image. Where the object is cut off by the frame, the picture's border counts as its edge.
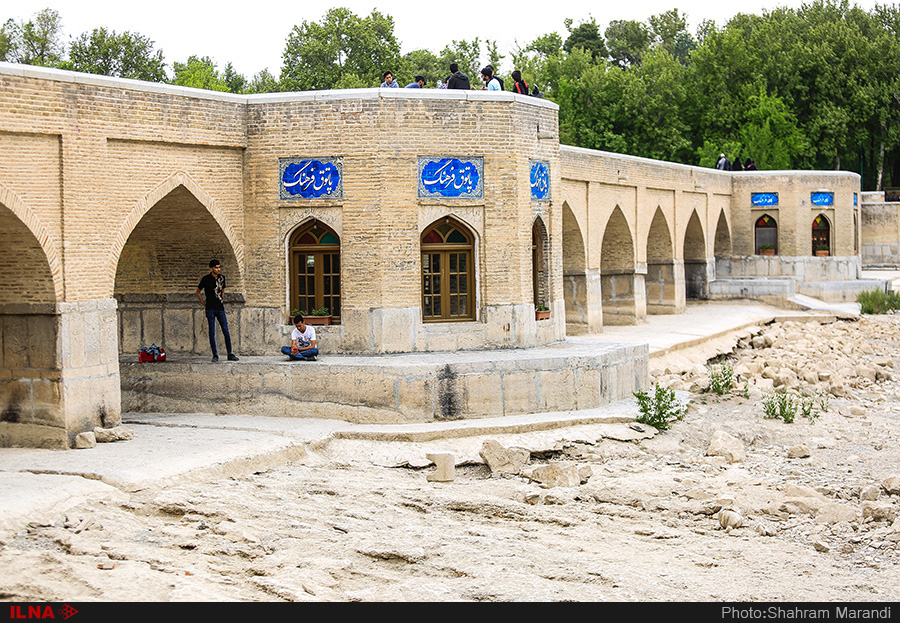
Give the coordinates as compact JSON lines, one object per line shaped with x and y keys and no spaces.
{"x":448,"y":272}
{"x":316,"y":270}
{"x":766,"y":235}
{"x":539,"y":271}
{"x":821,"y":235}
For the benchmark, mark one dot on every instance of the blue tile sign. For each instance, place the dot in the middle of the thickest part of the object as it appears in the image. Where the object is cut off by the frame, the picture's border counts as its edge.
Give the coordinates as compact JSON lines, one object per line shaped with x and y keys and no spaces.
{"x":821,"y":198}
{"x":451,"y":177}
{"x":540,"y":180}
{"x":310,"y":179}
{"x":764,"y":199}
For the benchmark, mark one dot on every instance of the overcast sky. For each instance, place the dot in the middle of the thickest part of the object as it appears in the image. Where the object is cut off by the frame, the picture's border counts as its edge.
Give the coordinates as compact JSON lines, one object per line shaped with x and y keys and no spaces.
{"x":251,"y":35}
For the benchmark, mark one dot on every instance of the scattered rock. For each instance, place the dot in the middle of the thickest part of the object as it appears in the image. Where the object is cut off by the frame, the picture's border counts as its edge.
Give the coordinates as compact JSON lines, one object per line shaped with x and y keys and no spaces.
{"x":117,"y":433}
{"x":891,"y":485}
{"x":724,"y":445}
{"x":800,"y":451}
{"x":503,"y":460}
{"x":556,"y":474}
{"x":730,"y":518}
{"x":85,"y":440}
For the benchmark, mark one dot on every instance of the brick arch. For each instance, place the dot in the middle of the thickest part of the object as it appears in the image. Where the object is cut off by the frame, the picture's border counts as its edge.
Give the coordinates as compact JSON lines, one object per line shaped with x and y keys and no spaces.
{"x":659,"y":238}
{"x":151,"y":199}
{"x":29,"y":220}
{"x":694,"y":238}
{"x":722,"y":246}
{"x":617,"y":248}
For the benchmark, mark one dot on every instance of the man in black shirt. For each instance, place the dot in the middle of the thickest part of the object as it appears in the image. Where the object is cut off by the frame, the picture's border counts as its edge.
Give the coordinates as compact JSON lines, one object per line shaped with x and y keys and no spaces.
{"x":213,"y":285}
{"x":458,"y":80}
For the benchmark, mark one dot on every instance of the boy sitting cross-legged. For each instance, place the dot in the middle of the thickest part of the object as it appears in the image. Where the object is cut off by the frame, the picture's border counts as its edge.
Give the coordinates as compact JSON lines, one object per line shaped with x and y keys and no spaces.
{"x":303,"y":342}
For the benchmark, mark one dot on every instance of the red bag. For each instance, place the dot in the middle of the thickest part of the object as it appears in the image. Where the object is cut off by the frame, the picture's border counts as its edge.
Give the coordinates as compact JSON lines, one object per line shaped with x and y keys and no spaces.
{"x":146,"y":355}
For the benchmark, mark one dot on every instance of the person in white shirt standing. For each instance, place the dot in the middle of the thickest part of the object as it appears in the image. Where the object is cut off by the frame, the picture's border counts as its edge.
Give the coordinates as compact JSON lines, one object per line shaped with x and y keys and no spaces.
{"x":303,"y":342}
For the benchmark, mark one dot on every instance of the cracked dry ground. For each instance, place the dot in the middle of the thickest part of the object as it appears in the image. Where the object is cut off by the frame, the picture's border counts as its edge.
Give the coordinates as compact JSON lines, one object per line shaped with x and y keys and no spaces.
{"x":342,"y":526}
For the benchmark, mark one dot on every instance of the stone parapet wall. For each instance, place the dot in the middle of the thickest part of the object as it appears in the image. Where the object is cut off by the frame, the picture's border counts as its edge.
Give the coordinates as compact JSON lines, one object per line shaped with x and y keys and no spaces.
{"x":397,"y":389}
{"x":880,"y":231}
{"x":801,"y":269}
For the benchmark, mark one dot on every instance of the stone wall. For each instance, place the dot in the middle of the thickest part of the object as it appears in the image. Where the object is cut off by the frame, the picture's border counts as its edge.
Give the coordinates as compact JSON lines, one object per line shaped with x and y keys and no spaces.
{"x":880,"y":231}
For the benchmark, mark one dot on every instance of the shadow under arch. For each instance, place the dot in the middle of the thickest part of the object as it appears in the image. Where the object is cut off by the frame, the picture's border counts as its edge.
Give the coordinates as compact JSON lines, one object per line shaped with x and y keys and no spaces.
{"x":33,"y":272}
{"x":540,"y":263}
{"x":172,"y":234}
{"x":623,"y":297}
{"x":576,"y":291}
{"x":722,"y":246}
{"x":203,"y":199}
{"x":696,"y":265}
{"x":664,"y":274}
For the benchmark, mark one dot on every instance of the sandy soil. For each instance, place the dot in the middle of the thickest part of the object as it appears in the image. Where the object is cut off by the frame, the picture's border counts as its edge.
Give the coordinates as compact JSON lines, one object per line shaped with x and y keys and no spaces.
{"x":349,"y":524}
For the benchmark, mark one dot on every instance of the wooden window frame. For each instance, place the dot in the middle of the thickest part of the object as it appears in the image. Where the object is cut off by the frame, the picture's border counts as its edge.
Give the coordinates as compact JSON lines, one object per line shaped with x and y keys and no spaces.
{"x":319,"y":250}
{"x":445,"y":249}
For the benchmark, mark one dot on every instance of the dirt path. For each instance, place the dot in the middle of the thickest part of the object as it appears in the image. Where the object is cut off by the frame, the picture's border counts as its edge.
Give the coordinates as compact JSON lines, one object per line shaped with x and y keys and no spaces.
{"x":345,"y":525}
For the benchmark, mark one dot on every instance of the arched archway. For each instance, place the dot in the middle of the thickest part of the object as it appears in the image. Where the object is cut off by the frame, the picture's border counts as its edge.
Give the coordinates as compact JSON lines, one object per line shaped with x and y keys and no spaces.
{"x":31,"y":389}
{"x":622,"y":298}
{"x":164,"y":256}
{"x":448,"y":271}
{"x":664,"y":273}
{"x":576,"y":289}
{"x":722,"y":244}
{"x":696,"y":265}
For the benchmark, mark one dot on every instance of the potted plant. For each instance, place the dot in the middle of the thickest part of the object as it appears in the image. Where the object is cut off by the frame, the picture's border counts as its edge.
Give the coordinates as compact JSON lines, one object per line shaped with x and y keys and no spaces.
{"x":294,"y":312}
{"x":319,"y":316}
{"x":541,"y":312}
{"x":767,"y":249}
{"x":821,"y":250}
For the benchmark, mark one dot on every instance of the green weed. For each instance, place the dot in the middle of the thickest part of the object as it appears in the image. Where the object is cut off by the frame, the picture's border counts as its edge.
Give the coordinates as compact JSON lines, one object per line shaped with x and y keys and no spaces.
{"x":659,"y":409}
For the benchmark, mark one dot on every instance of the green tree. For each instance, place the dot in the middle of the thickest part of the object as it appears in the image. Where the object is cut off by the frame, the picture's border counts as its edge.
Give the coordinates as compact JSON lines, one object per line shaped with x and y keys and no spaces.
{"x":771,"y":134}
{"x":200,"y":73}
{"x":425,"y":63}
{"x":466,"y":54}
{"x":126,"y":55}
{"x":39,"y":40}
{"x":341,"y":46}
{"x":7,"y":40}
{"x":587,"y":37}
{"x":627,"y":41}
{"x":263,"y":82}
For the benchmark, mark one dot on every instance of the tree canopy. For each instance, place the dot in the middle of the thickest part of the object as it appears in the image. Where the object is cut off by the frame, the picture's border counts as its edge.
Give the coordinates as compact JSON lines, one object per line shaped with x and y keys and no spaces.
{"x":815,"y":87}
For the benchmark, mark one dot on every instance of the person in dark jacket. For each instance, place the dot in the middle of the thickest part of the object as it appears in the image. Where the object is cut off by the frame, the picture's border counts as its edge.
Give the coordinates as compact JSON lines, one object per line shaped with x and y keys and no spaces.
{"x":520,"y":86}
{"x":458,"y":80}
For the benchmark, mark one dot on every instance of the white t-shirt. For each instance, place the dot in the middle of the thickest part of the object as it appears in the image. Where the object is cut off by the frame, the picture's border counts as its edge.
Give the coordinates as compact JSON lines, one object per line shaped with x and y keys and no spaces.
{"x":303,"y":339}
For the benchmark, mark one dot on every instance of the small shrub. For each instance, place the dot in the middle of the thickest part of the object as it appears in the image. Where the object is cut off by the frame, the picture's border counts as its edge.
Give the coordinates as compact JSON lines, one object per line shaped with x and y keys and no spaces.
{"x":780,"y":406}
{"x":660,"y":409}
{"x":877,"y":301}
{"x":809,"y":408}
{"x":721,"y":378}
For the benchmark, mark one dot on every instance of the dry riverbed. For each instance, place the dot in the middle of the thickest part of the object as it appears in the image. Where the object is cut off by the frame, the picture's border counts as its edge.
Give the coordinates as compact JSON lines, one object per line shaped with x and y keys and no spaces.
{"x":810,"y":509}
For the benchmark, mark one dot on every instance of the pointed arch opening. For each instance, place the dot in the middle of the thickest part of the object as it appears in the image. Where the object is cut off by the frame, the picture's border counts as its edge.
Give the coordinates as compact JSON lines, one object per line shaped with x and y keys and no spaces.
{"x":662,"y":273}
{"x":315,"y":270}
{"x":161,"y":262}
{"x":448,"y":272}
{"x":25,"y":272}
{"x":575,"y":290}
{"x":722,"y":244}
{"x":696,"y":266}
{"x":617,"y":274}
